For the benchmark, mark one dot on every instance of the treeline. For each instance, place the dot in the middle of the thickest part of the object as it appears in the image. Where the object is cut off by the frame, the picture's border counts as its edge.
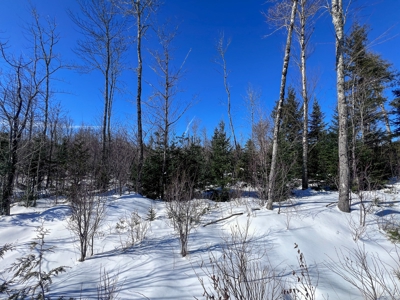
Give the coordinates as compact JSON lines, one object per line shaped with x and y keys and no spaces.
{"x":42,"y":154}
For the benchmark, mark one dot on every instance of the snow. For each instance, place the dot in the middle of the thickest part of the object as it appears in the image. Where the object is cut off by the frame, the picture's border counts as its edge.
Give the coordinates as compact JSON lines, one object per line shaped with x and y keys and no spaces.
{"x":154,"y":268}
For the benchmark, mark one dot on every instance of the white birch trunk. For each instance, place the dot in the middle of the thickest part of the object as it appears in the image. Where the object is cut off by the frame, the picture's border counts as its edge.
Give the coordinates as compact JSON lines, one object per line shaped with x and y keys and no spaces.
{"x":344,"y":179}
{"x":272,"y":174}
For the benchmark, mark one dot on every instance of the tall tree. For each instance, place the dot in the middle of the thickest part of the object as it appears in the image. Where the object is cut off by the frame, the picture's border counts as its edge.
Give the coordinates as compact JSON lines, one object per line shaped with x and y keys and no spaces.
{"x":307,"y":10}
{"x":166,"y":108}
{"x":367,"y":76}
{"x":276,"y":13}
{"x":45,"y":38}
{"x":290,"y":133}
{"x":336,"y":11}
{"x":141,"y":11}
{"x":316,"y":140}
{"x":222,"y":47}
{"x":101,"y":49}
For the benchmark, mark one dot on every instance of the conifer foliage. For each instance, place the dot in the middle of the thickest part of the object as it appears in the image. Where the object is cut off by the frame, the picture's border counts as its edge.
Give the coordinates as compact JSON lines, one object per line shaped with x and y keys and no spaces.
{"x":221,"y":161}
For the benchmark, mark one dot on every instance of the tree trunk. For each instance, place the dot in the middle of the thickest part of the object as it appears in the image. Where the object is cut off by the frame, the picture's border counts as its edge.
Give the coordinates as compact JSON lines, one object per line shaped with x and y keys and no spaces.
{"x":272,"y":174}
{"x":303,"y":45}
{"x":139,"y":99}
{"x":344,"y":179}
{"x":104,"y":150}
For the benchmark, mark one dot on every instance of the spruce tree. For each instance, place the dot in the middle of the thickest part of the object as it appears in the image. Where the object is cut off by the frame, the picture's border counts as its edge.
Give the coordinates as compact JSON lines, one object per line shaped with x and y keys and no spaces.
{"x":317,"y":138}
{"x":290,"y":133}
{"x":367,"y":76}
{"x":395,"y":103}
{"x":221,"y":161}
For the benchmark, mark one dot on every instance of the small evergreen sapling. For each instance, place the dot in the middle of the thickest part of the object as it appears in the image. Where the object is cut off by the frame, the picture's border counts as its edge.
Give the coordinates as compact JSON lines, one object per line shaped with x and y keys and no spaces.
{"x":151,"y":214}
{"x":29,"y":273}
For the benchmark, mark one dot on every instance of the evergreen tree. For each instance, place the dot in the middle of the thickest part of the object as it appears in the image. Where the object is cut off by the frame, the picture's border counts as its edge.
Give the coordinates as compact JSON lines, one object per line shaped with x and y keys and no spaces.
{"x":249,"y":162}
{"x":367,"y":76}
{"x":395,"y":103}
{"x":290,"y":133}
{"x":152,"y":178}
{"x":317,"y":138}
{"x":221,"y":160}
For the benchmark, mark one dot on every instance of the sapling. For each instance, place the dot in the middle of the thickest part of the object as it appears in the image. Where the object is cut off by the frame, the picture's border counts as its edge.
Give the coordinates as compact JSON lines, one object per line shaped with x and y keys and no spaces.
{"x":151,"y":213}
{"x":29,"y":275}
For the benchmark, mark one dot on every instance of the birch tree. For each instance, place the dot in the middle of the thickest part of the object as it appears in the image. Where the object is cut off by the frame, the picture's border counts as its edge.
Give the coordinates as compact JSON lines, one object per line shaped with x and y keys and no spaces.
{"x":336,"y":11}
{"x":279,"y":13}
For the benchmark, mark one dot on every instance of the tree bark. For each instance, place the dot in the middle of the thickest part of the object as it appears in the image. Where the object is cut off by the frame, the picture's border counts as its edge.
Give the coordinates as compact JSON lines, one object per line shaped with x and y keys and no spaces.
{"x":344,"y":178}
{"x":303,"y":46}
{"x":140,"y":29}
{"x":272,"y":174}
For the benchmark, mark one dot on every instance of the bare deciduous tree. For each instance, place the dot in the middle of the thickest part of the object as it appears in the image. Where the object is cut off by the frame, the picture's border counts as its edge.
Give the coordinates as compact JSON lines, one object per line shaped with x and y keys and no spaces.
{"x":252,"y":100}
{"x":20,"y":89}
{"x":166,"y":108}
{"x":280,"y":12}
{"x":102,"y":49}
{"x":141,"y":11}
{"x":307,"y":10}
{"x":222,"y":47}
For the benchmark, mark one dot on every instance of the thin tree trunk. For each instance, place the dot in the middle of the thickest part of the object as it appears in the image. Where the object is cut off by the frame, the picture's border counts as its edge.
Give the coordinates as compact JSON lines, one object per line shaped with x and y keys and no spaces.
{"x":139,"y":99}
{"x":104,"y":150}
{"x":304,"y":179}
{"x":272,"y":174}
{"x":166,"y":126}
{"x":344,"y":178}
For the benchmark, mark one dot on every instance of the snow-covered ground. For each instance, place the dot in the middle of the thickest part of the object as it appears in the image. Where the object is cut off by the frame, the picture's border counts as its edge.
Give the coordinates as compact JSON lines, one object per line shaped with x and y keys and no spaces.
{"x":154,"y":269}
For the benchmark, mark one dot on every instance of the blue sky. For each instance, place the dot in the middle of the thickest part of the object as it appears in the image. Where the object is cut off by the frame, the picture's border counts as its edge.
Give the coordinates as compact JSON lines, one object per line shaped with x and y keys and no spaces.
{"x":252,"y":58}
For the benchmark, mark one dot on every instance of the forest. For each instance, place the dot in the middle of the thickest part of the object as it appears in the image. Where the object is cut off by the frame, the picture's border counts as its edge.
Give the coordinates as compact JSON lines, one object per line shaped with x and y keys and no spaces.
{"x":44,"y":156}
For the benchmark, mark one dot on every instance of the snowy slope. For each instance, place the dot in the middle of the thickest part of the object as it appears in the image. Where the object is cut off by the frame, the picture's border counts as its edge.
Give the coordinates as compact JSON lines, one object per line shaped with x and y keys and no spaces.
{"x":154,"y":269}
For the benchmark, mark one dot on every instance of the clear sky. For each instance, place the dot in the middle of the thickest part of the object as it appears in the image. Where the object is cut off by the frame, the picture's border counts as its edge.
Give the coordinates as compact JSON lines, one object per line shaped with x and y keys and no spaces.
{"x":252,"y":58}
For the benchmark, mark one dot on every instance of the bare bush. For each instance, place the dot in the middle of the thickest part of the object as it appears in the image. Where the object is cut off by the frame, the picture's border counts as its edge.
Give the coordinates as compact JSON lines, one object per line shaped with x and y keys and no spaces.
{"x":238,"y":272}
{"x":182,"y":209}
{"x":357,"y":230}
{"x":305,"y":286}
{"x":87,"y":213}
{"x":374,"y":278}
{"x":135,"y":228}
{"x":108,"y":288}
